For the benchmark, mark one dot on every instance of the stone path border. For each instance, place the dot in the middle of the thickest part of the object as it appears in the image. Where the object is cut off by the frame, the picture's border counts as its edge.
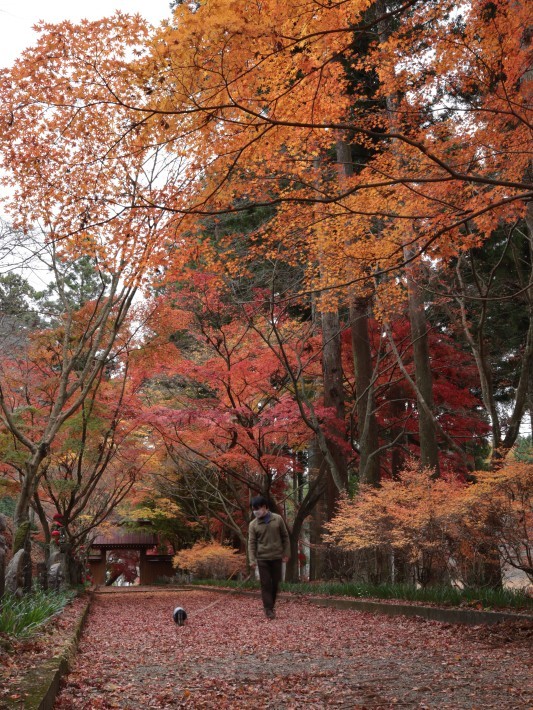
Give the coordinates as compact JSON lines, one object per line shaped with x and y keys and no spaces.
{"x":39,"y":688}
{"x":430,"y":613}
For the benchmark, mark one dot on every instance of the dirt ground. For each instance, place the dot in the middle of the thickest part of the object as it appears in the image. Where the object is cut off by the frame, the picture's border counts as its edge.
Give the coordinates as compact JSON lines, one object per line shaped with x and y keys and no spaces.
{"x":228,"y":655}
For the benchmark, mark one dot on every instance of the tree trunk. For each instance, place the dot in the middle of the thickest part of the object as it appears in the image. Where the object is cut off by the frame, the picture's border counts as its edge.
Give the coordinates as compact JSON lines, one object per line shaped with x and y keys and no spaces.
{"x":369,"y":468}
{"x":333,"y":398}
{"x":3,"y":549}
{"x":291,"y":572}
{"x":333,"y":383}
{"x":429,"y":450}
{"x":369,"y":463}
{"x":530,"y":403}
{"x":21,"y":518}
{"x":22,"y":524}
{"x":318,"y":515}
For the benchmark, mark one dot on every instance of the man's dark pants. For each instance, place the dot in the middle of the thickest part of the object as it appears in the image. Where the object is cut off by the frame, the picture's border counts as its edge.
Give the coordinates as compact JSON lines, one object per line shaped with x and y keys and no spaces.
{"x":270,"y":577}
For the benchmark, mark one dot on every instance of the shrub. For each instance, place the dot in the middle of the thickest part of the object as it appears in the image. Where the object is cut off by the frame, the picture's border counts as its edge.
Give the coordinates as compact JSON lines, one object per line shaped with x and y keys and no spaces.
{"x":499,"y":507}
{"x":210,"y":560}
{"x":443,"y":528}
{"x":410,"y":517}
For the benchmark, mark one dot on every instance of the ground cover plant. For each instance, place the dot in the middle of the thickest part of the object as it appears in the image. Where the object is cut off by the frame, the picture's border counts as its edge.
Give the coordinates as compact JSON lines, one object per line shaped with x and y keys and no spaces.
{"x":21,"y":617}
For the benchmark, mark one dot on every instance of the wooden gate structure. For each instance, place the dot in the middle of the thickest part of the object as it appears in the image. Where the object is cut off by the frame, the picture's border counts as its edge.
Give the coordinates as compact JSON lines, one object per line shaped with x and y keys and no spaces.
{"x":153,"y":565}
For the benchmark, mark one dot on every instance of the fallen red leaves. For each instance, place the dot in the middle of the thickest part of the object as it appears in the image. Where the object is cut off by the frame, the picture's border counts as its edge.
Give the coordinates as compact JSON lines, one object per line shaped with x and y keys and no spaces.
{"x":228,"y":655}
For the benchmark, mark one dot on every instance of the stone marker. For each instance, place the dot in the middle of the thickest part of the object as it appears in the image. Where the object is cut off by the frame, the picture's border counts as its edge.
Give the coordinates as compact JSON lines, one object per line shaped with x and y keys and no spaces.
{"x":15,"y":573}
{"x":55,"y":576}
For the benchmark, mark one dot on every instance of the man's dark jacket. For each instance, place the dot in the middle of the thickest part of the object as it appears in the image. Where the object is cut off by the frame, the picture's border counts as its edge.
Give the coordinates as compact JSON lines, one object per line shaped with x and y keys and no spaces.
{"x":268,"y":540}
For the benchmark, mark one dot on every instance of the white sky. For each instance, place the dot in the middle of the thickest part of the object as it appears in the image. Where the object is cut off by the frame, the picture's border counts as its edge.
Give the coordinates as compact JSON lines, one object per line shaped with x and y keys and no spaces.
{"x":17,"y":18}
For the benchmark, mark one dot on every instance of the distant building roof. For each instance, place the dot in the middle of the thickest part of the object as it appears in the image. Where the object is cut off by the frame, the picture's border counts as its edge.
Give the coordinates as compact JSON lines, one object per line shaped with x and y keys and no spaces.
{"x":123,"y":541}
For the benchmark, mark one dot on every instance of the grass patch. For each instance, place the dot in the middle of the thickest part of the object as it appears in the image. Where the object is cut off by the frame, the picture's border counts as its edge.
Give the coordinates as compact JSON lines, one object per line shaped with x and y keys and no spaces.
{"x":20,"y":618}
{"x":443,"y":596}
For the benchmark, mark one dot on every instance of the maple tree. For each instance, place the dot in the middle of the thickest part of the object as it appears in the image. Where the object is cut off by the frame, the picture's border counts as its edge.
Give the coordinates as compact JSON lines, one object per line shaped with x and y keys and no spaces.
{"x":96,"y":459}
{"x":240,"y":403}
{"x":241,"y":89}
{"x":48,"y":378}
{"x":500,"y":506}
{"x":367,"y":146}
{"x":224,"y":413}
{"x":122,"y":565}
{"x":409,"y":517}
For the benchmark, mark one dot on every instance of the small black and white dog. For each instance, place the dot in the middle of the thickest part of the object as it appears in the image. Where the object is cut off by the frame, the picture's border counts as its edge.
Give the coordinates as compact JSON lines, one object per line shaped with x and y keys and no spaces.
{"x":180,"y":615}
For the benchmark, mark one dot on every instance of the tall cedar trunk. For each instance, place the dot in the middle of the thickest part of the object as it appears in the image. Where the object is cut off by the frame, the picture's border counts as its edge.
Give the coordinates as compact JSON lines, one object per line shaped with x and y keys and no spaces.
{"x":3,"y":550}
{"x":291,"y":572}
{"x":333,"y":393}
{"x":333,"y":398}
{"x":429,"y":450}
{"x":318,"y":517}
{"x":369,"y":464}
{"x":308,"y":504}
{"x":367,"y":426}
{"x":530,"y":402}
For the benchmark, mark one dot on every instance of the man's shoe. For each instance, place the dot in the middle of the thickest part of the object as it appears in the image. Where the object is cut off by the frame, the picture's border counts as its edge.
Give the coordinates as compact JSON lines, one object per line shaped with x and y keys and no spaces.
{"x":269,"y":613}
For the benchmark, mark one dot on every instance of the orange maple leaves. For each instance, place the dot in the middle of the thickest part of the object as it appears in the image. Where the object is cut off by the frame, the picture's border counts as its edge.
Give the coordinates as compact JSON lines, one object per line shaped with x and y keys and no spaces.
{"x":107,"y":129}
{"x":210,"y":560}
{"x":443,"y":524}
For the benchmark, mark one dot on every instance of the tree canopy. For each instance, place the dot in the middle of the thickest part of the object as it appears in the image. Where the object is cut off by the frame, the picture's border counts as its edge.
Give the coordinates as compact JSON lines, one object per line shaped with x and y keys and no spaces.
{"x":291,"y":246}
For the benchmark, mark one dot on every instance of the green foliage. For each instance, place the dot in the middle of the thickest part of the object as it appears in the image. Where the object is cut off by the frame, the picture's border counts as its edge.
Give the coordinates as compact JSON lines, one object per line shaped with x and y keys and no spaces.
{"x":524,"y":449}
{"x":165,"y":518}
{"x":7,"y":506}
{"x":17,"y":299}
{"x":79,"y":282}
{"x":443,"y":596}
{"x":502,"y":320}
{"x":22,"y":617}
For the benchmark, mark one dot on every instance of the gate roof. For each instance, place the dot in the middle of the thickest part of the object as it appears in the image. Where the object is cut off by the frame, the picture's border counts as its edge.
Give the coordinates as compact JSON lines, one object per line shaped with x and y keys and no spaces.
{"x":123,"y":541}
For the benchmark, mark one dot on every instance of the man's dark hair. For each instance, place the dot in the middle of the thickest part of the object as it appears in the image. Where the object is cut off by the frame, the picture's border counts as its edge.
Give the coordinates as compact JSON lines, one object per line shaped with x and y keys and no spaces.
{"x":259,"y":502}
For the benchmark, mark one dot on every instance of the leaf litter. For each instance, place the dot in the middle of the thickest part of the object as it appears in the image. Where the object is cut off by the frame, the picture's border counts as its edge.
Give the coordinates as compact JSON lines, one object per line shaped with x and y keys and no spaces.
{"x":228,"y":655}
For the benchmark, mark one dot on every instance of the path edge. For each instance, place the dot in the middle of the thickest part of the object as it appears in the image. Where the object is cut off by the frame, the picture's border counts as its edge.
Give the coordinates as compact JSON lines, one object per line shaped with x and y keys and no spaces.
{"x":429,"y":613}
{"x":39,"y":689}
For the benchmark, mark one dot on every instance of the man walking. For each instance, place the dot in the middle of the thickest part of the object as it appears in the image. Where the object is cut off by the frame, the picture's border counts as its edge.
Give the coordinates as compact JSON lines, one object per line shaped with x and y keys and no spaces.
{"x":268,"y":548}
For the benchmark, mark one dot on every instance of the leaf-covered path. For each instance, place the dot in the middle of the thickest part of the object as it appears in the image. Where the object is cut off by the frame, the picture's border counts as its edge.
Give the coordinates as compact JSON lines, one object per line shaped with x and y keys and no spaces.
{"x":228,"y":655}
